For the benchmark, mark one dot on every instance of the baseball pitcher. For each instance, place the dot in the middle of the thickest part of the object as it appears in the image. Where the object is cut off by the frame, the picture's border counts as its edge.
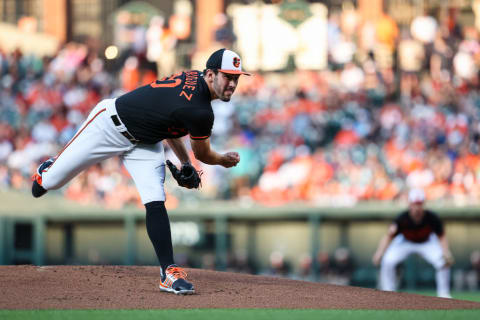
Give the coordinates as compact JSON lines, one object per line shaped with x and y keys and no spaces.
{"x":133,"y":127}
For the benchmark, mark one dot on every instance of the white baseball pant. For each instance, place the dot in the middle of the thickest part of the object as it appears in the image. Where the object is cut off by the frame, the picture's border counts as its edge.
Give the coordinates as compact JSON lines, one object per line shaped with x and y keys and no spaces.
{"x":400,"y":248}
{"x":98,"y":139}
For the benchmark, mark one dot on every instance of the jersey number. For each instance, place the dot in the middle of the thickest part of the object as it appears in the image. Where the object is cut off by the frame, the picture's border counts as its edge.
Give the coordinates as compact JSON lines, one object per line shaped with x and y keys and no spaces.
{"x":167,"y":85}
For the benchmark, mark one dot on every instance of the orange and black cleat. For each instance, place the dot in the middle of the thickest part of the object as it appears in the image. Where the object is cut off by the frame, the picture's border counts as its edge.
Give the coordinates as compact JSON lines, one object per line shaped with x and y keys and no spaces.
{"x":173,"y":281}
{"x":37,"y":189}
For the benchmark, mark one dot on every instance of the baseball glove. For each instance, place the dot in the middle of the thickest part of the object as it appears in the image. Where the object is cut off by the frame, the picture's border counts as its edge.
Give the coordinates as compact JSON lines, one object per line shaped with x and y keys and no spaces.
{"x":187,"y":176}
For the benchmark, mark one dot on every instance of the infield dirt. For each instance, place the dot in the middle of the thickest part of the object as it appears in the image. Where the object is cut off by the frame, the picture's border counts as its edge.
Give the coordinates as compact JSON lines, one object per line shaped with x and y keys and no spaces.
{"x":121,"y":287}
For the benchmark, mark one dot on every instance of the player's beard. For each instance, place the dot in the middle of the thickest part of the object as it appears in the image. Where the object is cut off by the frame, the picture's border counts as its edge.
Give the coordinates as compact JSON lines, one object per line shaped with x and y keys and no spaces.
{"x":224,"y":98}
{"x":220,"y":92}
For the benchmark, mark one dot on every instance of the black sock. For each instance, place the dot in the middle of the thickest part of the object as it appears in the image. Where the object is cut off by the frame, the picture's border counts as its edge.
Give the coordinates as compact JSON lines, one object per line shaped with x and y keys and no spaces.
{"x":158,"y":229}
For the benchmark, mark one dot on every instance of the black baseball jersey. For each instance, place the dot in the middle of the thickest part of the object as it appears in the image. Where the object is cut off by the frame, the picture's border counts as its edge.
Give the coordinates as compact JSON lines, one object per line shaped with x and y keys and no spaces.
{"x":168,"y":108}
{"x":419,"y":232}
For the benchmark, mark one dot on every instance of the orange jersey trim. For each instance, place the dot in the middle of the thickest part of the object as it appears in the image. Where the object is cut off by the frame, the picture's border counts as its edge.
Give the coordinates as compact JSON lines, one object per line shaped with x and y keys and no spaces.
{"x":199,"y":138}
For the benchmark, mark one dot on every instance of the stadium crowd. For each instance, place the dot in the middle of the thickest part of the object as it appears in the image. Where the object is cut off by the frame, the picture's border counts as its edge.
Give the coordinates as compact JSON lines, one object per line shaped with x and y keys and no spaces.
{"x":396,"y":108}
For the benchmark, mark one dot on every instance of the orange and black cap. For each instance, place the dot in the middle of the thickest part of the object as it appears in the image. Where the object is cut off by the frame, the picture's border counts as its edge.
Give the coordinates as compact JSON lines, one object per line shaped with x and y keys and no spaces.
{"x":226,"y":61}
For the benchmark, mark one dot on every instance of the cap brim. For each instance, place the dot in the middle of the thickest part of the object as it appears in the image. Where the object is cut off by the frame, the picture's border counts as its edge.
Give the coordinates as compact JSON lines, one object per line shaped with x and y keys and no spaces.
{"x":416,"y":201}
{"x":234,"y":72}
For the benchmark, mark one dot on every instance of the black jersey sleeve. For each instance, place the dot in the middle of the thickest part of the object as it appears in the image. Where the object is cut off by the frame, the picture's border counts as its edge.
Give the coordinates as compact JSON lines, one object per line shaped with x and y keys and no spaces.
{"x":436,"y":223}
{"x":198,"y":121}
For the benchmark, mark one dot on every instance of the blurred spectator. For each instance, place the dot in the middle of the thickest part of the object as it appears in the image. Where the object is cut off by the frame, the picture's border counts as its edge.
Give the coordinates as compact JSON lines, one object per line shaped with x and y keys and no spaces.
{"x":325,"y":268}
{"x":468,"y":278}
{"x":364,"y":129}
{"x":239,"y":262}
{"x":279,"y":266}
{"x":223,"y":30}
{"x":386,"y":33}
{"x":208,"y":261}
{"x":411,"y":55}
{"x":161,"y":44}
{"x":343,"y":267}
{"x":305,"y":270}
{"x":352,"y":78}
{"x":424,"y":28}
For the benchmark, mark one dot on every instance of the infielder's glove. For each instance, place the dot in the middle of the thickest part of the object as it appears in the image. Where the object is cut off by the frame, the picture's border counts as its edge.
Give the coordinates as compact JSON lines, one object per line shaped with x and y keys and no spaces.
{"x":187,"y":176}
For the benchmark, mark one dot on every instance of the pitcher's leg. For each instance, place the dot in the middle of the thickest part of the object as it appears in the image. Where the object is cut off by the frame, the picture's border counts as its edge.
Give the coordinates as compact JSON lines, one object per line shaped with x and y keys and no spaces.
{"x":158,"y":230}
{"x":77,"y":155}
{"x":146,"y":165}
{"x":96,"y":140}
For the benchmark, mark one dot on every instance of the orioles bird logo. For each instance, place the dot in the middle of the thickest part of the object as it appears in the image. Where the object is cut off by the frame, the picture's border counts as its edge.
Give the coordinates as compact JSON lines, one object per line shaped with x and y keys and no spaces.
{"x":236,"y":62}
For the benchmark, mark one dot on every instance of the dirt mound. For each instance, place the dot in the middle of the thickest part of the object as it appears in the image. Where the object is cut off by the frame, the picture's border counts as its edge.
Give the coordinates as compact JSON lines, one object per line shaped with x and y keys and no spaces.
{"x":119,"y":287}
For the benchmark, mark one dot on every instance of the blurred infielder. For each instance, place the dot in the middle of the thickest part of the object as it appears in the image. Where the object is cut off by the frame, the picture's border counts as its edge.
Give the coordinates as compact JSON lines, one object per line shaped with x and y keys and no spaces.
{"x":133,"y":126}
{"x":417,"y":231}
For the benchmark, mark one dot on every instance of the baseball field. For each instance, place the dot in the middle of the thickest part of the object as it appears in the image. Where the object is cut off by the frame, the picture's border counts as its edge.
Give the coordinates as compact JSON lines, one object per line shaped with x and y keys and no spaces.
{"x":99,"y":292}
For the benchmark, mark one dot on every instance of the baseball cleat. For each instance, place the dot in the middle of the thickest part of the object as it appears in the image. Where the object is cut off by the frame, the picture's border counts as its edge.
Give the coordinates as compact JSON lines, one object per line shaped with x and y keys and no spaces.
{"x":173,"y":281}
{"x":37,"y":189}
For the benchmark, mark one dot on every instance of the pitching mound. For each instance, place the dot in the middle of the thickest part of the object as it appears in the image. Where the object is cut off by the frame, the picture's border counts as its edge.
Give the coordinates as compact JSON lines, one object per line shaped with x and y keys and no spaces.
{"x":118,"y":287}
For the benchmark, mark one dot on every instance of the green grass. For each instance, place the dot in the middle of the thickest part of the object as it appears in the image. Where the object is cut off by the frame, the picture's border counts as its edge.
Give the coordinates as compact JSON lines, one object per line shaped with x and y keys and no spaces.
{"x":239,"y":314}
{"x":256,"y":314}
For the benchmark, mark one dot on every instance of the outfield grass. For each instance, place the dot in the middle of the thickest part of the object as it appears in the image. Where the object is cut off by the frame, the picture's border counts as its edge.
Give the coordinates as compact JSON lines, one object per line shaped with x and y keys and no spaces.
{"x":239,"y":314}
{"x":256,"y":314}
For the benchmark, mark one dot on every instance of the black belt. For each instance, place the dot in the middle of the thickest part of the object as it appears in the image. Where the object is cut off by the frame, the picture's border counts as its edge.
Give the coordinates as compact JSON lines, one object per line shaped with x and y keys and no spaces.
{"x":125,"y":133}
